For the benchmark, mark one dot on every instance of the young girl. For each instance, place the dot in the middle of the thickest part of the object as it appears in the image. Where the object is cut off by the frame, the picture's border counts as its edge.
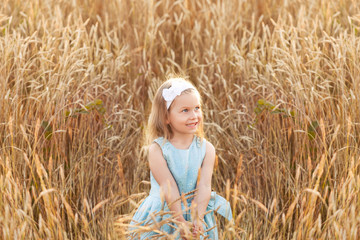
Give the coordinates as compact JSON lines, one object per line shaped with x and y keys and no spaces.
{"x":181,"y":161}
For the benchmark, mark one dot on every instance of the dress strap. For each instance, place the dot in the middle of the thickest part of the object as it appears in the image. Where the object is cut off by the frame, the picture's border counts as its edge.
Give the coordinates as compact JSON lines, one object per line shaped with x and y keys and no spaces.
{"x":160,"y":141}
{"x":203,"y":148}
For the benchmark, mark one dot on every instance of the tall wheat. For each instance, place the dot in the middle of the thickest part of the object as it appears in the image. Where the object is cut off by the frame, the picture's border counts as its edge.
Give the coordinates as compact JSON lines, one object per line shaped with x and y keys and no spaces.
{"x":279,"y":80}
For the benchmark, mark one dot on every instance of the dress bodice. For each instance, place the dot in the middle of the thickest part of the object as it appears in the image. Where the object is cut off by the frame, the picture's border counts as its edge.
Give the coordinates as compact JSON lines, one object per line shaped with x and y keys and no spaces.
{"x":184,"y":164}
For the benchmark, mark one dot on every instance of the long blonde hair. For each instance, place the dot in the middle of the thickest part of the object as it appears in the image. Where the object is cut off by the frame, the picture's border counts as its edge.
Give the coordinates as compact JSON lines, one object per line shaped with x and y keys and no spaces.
{"x":157,"y":126}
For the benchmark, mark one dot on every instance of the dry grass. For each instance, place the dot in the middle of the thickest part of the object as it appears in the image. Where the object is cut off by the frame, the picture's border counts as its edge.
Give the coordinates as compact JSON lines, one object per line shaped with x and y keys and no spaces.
{"x":280,"y":82}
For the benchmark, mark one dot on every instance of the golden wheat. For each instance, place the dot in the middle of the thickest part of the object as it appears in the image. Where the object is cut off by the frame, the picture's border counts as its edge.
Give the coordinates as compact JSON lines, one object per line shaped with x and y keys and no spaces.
{"x":279,"y":81}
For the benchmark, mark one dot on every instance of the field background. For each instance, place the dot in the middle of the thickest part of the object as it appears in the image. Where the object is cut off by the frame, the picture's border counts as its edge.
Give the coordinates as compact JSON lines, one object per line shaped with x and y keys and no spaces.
{"x":280,"y":82}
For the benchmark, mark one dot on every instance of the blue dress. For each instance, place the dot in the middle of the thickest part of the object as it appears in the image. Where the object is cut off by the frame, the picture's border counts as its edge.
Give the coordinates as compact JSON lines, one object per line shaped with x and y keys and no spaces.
{"x":184,"y":165}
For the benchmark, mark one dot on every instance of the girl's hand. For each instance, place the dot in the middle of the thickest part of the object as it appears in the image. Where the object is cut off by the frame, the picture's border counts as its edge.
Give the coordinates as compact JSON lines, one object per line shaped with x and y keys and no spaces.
{"x":198,"y":228}
{"x":184,"y":229}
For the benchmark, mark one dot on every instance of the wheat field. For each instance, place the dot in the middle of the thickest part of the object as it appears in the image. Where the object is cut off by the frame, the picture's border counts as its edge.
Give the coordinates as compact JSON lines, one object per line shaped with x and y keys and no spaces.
{"x":279,"y":80}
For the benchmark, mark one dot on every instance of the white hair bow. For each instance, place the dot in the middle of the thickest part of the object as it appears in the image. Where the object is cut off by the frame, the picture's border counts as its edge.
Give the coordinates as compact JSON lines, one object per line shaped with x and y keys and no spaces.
{"x":177,"y":87}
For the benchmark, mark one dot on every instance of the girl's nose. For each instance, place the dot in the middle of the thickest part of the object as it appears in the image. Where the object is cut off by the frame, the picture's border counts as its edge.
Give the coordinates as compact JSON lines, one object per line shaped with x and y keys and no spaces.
{"x":193,"y":114}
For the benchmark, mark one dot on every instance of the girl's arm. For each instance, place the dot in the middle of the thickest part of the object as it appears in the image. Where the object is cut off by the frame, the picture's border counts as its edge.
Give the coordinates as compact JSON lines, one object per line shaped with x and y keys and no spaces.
{"x":202,"y":198}
{"x":164,"y":178}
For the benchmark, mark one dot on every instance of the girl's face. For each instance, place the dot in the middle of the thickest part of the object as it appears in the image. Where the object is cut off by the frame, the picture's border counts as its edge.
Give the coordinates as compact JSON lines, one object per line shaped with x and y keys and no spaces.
{"x":185,"y":114}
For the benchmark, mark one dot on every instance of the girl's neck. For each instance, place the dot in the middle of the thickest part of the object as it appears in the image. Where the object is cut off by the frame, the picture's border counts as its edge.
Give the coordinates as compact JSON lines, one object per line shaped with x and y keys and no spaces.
{"x":182,"y":142}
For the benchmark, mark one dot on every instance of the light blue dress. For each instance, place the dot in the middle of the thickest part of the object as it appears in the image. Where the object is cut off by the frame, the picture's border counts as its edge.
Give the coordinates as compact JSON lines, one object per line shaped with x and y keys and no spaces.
{"x":184,"y":165}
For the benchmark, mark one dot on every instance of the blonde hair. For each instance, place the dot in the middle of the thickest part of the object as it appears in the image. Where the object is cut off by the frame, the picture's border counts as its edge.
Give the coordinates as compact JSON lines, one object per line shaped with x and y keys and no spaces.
{"x":157,"y":126}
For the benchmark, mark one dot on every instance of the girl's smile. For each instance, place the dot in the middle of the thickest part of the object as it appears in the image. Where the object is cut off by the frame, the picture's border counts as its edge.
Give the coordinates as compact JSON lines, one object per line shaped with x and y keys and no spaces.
{"x":192,"y":125}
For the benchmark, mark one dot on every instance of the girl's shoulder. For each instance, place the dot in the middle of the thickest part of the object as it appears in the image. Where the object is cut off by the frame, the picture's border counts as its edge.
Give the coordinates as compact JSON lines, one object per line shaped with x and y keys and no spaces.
{"x":204,"y":140}
{"x":210,"y":148}
{"x":208,"y":145}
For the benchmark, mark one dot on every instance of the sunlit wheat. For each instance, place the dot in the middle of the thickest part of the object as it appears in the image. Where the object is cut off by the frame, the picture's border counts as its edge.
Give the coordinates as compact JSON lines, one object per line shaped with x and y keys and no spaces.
{"x":279,"y":81}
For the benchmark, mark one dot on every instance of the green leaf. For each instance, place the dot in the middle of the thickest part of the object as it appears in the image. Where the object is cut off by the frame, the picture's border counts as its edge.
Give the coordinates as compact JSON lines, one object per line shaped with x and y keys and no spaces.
{"x":98,"y":102}
{"x":278,"y":110}
{"x":81,"y":111}
{"x":313,"y":126}
{"x":311,"y":135}
{"x":46,"y":125}
{"x":102,"y":110}
{"x":312,"y":129}
{"x":261,"y":102}
{"x":48,"y":131}
{"x":258,"y":110}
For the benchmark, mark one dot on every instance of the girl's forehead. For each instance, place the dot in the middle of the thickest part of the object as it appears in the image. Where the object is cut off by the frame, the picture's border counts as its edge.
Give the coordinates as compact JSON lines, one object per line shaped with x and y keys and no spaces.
{"x":186,"y":99}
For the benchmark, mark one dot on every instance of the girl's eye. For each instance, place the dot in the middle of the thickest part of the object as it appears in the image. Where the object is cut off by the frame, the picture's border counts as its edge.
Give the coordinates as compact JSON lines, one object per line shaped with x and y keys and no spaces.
{"x":185,"y":110}
{"x":197,"y":108}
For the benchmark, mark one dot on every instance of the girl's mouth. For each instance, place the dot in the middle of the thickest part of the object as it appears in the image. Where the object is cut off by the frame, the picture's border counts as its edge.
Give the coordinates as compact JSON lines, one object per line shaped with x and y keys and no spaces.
{"x":192,"y":124}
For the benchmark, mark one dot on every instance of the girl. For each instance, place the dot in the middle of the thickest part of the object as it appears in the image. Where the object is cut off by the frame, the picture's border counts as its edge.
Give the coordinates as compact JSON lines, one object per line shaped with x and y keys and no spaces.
{"x":181,"y":161}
